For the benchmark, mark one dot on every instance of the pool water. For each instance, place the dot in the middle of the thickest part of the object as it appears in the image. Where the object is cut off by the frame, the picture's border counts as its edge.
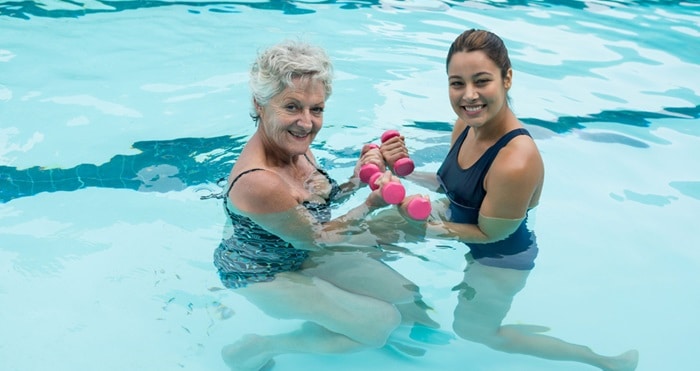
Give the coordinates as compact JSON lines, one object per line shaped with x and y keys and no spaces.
{"x":117,"y":118}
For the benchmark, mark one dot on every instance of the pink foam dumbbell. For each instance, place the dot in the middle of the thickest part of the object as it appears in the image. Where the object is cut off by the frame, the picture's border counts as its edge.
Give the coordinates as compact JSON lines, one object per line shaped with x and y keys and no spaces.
{"x":392,"y":192}
{"x":419,"y":208}
{"x":402,"y":166}
{"x":367,"y":170}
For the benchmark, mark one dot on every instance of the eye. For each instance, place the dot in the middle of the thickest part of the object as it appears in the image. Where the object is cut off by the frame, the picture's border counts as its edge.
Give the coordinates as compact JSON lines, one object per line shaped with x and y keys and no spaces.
{"x":482,"y":82}
{"x":456,"y":84}
{"x":291,"y":107}
{"x":317,"y":110}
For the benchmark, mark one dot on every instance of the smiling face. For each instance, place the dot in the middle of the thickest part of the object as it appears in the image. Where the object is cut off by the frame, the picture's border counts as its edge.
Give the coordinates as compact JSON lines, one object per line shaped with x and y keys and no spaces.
{"x":478,"y":93}
{"x":292,"y":118}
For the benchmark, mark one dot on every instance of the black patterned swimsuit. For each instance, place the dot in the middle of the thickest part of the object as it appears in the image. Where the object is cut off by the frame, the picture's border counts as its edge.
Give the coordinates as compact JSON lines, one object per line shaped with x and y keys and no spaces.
{"x":252,"y":254}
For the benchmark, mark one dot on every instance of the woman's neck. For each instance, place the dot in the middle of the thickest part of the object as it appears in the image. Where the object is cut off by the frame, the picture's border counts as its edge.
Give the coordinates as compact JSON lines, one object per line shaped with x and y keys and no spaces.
{"x":499,"y":125}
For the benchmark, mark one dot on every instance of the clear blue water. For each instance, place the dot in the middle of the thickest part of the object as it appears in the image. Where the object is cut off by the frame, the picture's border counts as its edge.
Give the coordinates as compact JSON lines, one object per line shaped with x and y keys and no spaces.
{"x":116,"y":117}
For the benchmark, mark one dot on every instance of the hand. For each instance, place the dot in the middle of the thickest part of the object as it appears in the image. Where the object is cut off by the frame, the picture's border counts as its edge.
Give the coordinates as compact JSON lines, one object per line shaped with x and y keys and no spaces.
{"x":416,"y":208}
{"x":377,"y":197}
{"x":393,"y":149}
{"x":369,"y":155}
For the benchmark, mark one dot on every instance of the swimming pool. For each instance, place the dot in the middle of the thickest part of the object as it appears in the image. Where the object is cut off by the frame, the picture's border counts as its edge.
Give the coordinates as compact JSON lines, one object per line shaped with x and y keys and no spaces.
{"x":117,"y":117}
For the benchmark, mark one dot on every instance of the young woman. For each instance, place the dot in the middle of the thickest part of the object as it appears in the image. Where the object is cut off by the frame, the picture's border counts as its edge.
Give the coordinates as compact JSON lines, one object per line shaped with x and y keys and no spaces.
{"x":492,"y":176}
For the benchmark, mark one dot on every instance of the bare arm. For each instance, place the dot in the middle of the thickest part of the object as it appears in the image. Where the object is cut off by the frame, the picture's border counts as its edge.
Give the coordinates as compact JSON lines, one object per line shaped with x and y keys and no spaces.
{"x":267,"y":199}
{"x":512,"y":187}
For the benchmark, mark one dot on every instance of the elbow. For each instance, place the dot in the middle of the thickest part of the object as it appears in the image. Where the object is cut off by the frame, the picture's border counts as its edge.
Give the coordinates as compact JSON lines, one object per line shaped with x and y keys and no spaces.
{"x":497,"y":229}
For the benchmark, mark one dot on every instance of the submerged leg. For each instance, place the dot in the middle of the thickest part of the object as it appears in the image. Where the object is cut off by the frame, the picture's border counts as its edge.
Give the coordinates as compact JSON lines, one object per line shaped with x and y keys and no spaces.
{"x":517,"y":339}
{"x":485,"y":297}
{"x":416,"y":313}
{"x":362,"y":274}
{"x":256,"y":352}
{"x":338,"y":321}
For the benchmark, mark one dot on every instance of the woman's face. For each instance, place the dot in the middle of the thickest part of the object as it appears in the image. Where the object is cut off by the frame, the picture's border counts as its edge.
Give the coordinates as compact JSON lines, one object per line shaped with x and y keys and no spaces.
{"x":477,"y":91}
{"x":292,"y":118}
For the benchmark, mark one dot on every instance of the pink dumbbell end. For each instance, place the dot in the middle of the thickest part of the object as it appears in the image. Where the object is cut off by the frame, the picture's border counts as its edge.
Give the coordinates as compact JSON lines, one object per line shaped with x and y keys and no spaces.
{"x":419,"y":208}
{"x":404,"y":166}
{"x":393,"y":193}
{"x":373,"y":179}
{"x":366,"y":172}
{"x":389,"y":134}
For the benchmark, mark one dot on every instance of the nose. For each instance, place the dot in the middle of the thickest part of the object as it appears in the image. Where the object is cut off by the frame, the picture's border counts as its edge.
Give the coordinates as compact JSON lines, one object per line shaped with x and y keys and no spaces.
{"x":470,"y":92}
{"x":305,"y":118}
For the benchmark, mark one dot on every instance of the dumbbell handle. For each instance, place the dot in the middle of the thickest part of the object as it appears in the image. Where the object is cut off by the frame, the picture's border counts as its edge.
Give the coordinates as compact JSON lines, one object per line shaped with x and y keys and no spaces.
{"x":402,"y":166}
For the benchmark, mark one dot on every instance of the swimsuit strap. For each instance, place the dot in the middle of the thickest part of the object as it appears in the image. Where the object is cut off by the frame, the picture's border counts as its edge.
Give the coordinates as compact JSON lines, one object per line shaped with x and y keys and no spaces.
{"x":239,"y":176}
{"x":309,"y":160}
{"x":258,"y":168}
{"x":323,"y":172}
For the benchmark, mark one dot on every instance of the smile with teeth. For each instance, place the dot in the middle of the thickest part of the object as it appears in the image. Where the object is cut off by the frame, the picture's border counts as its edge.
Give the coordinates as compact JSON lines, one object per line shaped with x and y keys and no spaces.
{"x":299,"y":135}
{"x":474,"y":108}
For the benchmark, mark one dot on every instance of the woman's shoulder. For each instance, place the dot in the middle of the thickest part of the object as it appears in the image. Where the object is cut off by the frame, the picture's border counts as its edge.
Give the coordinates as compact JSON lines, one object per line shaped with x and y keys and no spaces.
{"x":260,"y":190}
{"x":519,"y":155}
{"x":521,"y":150}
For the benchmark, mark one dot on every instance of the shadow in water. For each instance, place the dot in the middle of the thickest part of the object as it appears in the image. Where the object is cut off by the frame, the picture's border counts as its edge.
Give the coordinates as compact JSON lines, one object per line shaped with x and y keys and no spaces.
{"x":160,"y":166}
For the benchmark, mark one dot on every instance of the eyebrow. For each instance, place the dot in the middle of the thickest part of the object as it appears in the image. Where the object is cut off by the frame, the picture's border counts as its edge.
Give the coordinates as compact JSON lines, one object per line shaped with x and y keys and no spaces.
{"x":479,"y":74}
{"x":297,"y":101}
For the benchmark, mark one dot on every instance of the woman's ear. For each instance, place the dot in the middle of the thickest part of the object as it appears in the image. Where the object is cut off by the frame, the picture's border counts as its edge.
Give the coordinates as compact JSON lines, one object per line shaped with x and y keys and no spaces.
{"x":508,"y":79}
{"x":258,"y":108}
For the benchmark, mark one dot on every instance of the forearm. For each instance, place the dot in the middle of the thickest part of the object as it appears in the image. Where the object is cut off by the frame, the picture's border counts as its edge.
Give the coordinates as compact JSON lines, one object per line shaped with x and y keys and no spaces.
{"x":354,"y":216}
{"x":348,"y":229}
{"x":347,"y":189}
{"x":487,"y":230}
{"x":467,"y":233}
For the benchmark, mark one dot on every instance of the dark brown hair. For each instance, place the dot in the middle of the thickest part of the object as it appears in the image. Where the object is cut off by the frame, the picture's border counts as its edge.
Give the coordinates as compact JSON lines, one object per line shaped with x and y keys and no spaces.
{"x":486,"y":41}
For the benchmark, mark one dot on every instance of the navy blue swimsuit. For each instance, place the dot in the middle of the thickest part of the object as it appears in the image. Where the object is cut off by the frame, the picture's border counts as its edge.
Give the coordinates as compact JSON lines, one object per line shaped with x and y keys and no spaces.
{"x":252,"y":254}
{"x":465,"y":190}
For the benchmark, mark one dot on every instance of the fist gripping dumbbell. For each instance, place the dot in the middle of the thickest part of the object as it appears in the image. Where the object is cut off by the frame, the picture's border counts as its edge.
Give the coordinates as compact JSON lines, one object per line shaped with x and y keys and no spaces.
{"x":394,"y":193}
{"x":367,"y":170}
{"x":419,"y":208}
{"x":404,"y":165}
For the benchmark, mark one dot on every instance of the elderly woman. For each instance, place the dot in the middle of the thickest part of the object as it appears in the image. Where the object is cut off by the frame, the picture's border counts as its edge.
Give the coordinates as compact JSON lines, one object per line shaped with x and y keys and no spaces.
{"x":279,"y":253}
